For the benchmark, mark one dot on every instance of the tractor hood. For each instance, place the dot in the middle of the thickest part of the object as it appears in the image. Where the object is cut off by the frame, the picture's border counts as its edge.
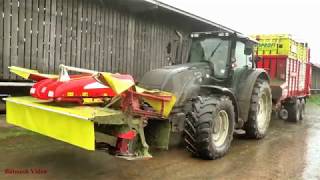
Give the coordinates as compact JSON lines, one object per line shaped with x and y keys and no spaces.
{"x":181,"y":80}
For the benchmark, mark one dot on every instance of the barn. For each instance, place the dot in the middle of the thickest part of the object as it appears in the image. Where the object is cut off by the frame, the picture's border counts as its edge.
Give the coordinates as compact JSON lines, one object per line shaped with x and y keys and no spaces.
{"x":126,"y":36}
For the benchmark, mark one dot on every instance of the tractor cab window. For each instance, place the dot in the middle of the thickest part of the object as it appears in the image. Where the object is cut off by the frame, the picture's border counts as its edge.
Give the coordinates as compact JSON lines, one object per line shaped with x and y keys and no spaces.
{"x":241,"y":58}
{"x":215,"y":50}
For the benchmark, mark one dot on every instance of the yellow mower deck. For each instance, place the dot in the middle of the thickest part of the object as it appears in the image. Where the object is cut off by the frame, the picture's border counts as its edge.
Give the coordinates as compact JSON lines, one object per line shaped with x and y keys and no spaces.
{"x":69,"y":123}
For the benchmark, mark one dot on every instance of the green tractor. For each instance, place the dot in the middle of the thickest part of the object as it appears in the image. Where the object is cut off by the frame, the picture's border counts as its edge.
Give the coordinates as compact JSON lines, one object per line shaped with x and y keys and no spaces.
{"x":218,"y":91}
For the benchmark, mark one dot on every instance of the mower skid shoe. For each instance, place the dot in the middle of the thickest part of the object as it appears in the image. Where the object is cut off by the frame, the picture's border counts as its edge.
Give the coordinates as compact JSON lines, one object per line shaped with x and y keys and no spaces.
{"x":131,"y":158}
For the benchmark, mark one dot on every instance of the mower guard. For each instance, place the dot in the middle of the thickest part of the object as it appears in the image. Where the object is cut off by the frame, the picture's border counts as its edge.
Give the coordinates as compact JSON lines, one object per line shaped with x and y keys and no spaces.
{"x":70,"y":123}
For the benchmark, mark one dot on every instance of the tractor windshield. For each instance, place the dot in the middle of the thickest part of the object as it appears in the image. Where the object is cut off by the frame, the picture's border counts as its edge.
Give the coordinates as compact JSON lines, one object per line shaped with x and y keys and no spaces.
{"x":215,"y":50}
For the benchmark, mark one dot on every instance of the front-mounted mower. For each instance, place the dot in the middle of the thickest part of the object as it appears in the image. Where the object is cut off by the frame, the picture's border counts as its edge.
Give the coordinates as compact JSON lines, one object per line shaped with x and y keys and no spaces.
{"x":201,"y":102}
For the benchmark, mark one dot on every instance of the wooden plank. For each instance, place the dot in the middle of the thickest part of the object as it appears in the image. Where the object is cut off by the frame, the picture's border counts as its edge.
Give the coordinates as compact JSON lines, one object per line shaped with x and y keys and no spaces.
{"x":28,"y":34}
{"x":46,"y":37}
{"x":120,"y":39}
{"x":35,"y":33}
{"x":6,"y":42}
{"x":64,"y":30}
{"x":79,"y":31}
{"x":93,"y":35}
{"x":1,"y":37}
{"x":74,"y":27}
{"x":53,"y":36}
{"x":97,"y":38}
{"x":104,"y":33}
{"x":131,"y":47}
{"x":84,"y":34}
{"x":101,"y":39}
{"x":14,"y":36}
{"x":21,"y":32}
{"x":157,"y":47}
{"x":149,"y":59}
{"x":58,"y":40}
{"x":110,"y":31}
{"x":137,"y":48}
{"x":141,"y":47}
{"x":140,"y":39}
{"x":162,"y":45}
{"x":125,"y":44}
{"x":114,"y":41}
{"x":88,"y":38}
{"x":40,"y":60}
{"x":122,"y":58}
{"x":145,"y":47}
{"x":69,"y":33}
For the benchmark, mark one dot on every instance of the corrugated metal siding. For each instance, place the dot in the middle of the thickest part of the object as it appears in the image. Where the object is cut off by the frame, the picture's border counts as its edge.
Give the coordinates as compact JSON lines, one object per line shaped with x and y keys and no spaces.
{"x":315,"y":78}
{"x":41,"y":34}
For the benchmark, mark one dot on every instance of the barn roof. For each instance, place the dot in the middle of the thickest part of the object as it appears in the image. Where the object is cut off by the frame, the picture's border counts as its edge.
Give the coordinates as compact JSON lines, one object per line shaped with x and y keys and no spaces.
{"x":170,"y":13}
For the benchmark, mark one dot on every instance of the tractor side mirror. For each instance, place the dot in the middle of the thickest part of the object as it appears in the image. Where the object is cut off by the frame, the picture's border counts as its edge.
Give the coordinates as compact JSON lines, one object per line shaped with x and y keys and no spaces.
{"x":257,"y":58}
{"x":248,"y":51}
{"x":168,"y":48}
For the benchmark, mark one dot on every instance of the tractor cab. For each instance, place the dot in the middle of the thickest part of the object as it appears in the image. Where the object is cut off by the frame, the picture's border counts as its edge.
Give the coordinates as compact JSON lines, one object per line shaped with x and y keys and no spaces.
{"x":223,"y":51}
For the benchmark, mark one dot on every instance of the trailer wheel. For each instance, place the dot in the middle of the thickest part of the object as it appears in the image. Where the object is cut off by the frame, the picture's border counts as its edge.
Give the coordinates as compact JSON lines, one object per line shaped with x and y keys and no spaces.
{"x":294,"y":110}
{"x":260,"y":110}
{"x":302,"y":108}
{"x":283,"y":114}
{"x":209,"y":127}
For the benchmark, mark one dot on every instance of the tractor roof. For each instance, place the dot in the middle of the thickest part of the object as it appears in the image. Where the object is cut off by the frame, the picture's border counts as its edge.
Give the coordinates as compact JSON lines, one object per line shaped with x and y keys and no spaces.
{"x":224,"y":34}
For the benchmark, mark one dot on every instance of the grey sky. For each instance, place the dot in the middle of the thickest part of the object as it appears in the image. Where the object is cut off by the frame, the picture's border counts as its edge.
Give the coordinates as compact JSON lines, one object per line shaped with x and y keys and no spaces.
{"x":296,"y":17}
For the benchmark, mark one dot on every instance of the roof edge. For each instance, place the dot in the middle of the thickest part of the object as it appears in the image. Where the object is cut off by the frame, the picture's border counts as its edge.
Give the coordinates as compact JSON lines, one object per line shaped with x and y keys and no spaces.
{"x":185,"y":13}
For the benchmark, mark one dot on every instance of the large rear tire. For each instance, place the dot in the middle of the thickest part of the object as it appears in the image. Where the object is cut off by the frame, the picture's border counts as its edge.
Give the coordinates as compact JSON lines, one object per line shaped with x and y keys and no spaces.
{"x":209,"y":127}
{"x":260,"y":110}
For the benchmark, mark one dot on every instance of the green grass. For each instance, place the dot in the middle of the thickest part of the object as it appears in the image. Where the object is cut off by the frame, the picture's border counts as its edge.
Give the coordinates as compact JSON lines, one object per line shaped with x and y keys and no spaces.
{"x":315,"y":99}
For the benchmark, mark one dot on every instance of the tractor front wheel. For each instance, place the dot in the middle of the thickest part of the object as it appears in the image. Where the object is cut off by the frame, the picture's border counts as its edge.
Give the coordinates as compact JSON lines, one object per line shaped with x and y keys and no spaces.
{"x":260,"y":110}
{"x":209,"y":127}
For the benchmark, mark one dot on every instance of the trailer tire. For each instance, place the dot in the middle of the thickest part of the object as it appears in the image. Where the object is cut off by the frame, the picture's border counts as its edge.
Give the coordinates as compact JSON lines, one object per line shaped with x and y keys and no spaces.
{"x":294,"y":110}
{"x":302,"y":108}
{"x":259,"y":118}
{"x":209,"y":127}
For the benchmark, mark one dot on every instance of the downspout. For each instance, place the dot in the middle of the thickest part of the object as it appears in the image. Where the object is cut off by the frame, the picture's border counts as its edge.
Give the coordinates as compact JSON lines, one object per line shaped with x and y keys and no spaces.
{"x":178,"y":59}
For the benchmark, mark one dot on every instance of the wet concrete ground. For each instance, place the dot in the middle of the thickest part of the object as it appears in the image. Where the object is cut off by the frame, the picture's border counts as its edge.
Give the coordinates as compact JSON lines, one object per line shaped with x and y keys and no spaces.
{"x":290,"y":151}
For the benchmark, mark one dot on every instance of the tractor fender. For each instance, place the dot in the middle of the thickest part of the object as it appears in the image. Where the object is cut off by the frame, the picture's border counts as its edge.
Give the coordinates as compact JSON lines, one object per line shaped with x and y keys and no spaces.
{"x":244,"y":90}
{"x":227,"y":92}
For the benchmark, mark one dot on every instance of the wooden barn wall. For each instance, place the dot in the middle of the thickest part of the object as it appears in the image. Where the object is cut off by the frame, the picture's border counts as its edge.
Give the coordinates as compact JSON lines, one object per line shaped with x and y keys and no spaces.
{"x":41,"y":34}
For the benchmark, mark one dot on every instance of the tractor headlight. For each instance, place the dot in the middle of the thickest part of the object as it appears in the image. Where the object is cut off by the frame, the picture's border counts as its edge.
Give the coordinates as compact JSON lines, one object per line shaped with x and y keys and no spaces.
{"x":50,"y":94}
{"x":32,"y":90}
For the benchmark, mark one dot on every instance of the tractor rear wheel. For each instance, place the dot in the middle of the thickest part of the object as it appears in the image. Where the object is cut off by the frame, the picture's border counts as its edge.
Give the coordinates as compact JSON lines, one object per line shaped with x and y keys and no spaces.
{"x":260,"y":110}
{"x":209,"y":127}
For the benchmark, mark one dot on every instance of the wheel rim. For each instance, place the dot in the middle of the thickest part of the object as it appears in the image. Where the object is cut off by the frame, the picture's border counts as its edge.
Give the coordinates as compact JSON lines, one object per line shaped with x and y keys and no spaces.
{"x":263,"y":110}
{"x":220,"y":128}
